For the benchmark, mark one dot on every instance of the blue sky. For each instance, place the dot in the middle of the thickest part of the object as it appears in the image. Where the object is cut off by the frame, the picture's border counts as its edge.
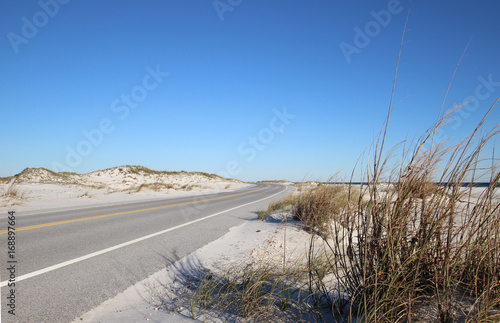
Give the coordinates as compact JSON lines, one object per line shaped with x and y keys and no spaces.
{"x":255,"y":90}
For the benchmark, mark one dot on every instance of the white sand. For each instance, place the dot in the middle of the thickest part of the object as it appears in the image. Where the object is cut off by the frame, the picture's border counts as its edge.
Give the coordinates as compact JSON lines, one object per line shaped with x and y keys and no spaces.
{"x":252,"y":241}
{"x":39,"y":189}
{"x":159,"y":297}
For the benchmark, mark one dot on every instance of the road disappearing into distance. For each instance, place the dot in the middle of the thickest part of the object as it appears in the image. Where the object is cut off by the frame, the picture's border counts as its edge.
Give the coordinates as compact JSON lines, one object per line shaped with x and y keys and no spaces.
{"x":69,"y":261}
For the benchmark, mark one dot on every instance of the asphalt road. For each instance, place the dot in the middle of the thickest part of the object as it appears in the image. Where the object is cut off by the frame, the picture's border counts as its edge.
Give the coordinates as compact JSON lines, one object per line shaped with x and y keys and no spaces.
{"x":68,"y":262}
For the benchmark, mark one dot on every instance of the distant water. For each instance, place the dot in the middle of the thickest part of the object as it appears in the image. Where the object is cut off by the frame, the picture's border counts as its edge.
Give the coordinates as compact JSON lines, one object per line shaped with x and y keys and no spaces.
{"x":477,"y":184}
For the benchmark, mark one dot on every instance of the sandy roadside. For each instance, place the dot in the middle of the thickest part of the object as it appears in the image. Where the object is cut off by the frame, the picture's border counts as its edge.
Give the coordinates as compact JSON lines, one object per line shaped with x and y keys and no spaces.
{"x":158,"y":298}
{"x":37,"y":189}
{"x":44,"y":197}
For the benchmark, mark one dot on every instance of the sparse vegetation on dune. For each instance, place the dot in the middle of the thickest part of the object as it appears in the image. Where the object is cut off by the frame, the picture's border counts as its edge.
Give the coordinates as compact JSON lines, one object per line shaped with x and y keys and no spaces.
{"x":44,"y":185}
{"x":12,"y":191}
{"x":12,"y":194}
{"x":286,"y":204}
{"x":141,"y":170}
{"x":122,"y":178}
{"x":305,"y":186}
{"x":317,"y":207}
{"x":151,"y":186}
{"x":257,"y":292}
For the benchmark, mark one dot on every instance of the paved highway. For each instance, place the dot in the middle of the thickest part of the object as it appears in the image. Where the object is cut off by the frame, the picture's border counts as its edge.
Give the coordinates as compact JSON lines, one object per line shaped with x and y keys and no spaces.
{"x":67,"y":262}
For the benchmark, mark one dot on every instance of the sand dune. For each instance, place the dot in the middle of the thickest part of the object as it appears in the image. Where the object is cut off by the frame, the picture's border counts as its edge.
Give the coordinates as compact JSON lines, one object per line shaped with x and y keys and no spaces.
{"x":40,"y":188}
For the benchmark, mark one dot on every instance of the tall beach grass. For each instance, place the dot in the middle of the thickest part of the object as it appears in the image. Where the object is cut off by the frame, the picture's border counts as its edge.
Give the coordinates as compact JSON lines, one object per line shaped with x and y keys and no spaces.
{"x":415,"y":242}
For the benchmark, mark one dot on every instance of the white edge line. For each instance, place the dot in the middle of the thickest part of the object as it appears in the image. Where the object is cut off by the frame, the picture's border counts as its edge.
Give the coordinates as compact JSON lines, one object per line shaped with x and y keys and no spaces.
{"x":128,"y":243}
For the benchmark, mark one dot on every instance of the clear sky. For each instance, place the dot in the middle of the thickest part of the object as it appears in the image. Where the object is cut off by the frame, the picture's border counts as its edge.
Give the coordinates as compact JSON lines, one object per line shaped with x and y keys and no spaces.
{"x":253,"y":89}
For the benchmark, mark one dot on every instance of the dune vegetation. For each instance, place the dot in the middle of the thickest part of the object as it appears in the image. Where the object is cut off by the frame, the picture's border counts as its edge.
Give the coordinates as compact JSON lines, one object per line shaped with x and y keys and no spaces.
{"x":416,"y":241}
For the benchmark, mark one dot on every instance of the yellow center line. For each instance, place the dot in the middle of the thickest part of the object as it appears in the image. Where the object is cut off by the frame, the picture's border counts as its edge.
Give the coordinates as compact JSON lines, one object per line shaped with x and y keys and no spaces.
{"x":127,"y":212}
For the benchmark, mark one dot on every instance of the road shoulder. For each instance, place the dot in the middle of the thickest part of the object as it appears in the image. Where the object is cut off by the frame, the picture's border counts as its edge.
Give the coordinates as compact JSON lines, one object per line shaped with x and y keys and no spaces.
{"x":156,"y":298}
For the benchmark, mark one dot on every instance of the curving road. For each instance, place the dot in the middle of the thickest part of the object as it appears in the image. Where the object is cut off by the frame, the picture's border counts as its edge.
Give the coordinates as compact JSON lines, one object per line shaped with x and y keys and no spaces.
{"x":70,"y":261}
